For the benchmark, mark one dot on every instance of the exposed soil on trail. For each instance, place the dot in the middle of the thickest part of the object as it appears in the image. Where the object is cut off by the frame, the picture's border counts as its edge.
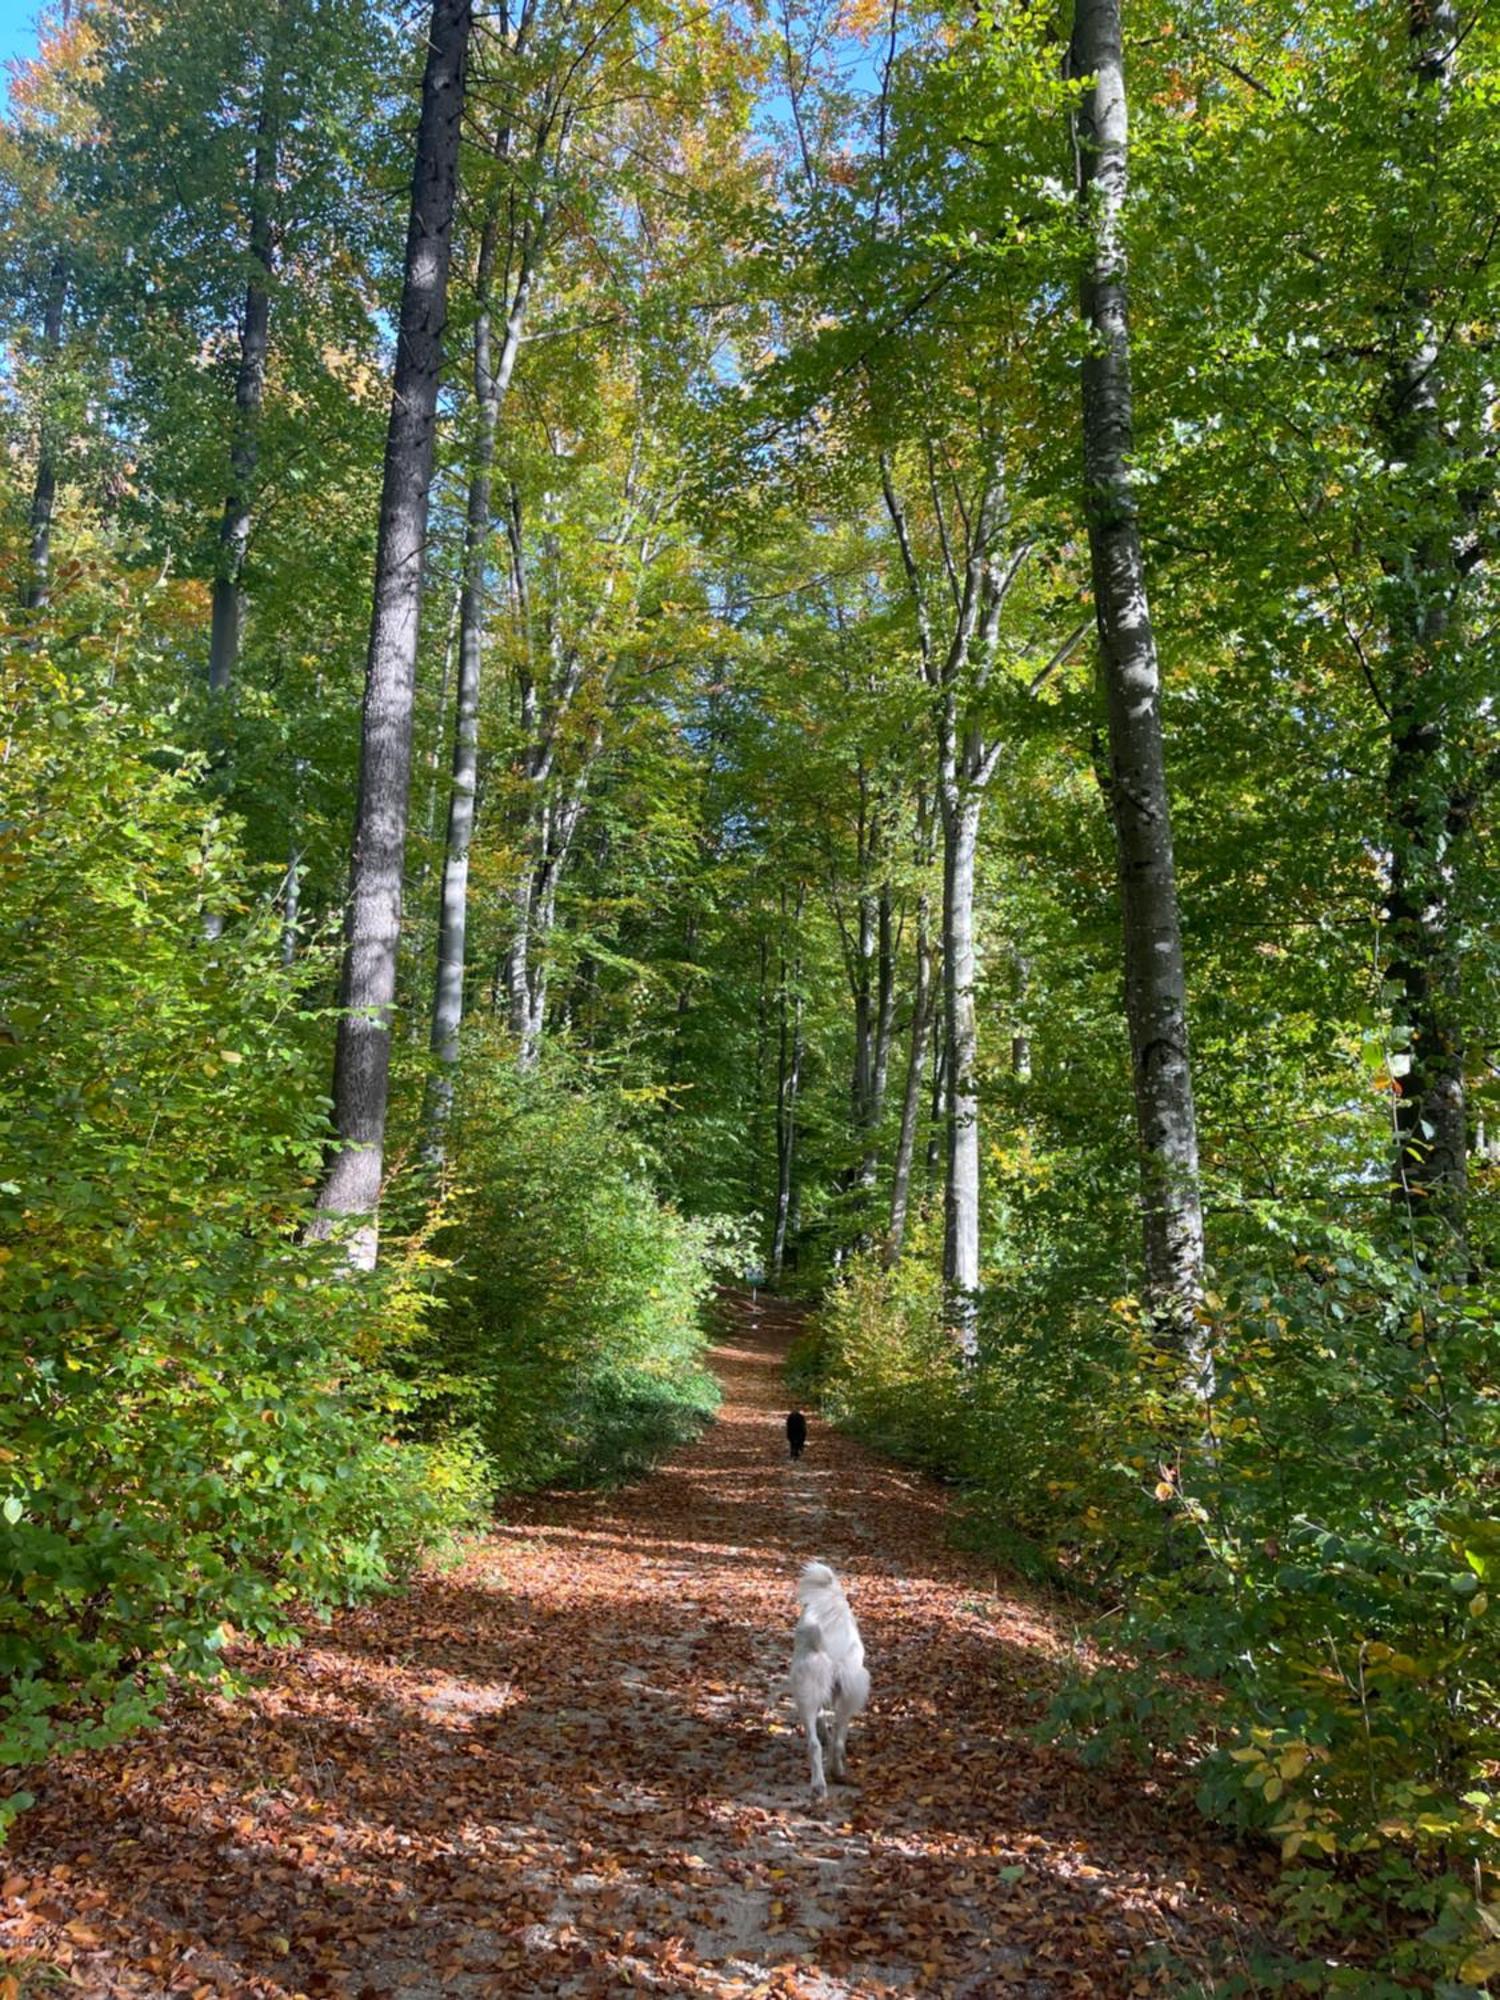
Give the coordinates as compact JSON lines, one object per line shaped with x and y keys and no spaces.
{"x":569,"y":1767}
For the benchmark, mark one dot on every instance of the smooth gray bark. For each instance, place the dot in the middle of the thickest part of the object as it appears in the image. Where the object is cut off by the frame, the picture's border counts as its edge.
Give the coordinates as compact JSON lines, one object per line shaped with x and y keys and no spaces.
{"x":249,"y":391}
{"x":1020,"y":1040}
{"x":762,"y":1055}
{"x":1155,"y":978}
{"x":291,"y":907}
{"x":911,"y":1099}
{"x":492,"y":377}
{"x":788,"y":1083}
{"x":790,"y":1002}
{"x":875,"y":1015}
{"x":44,"y":490}
{"x":529,"y":966}
{"x":872,"y":978}
{"x":959,"y":674}
{"x":435,"y":758}
{"x":961,"y":1034}
{"x":361,"y":1083}
{"x":937,"y":1116}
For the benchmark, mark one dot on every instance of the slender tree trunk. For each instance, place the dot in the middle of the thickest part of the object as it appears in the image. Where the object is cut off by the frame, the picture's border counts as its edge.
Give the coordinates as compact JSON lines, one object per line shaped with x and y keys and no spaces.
{"x":959,"y":677}
{"x":862,"y":1082}
{"x":1426,"y":817}
{"x":435,"y":756}
{"x":885,"y":1002}
{"x":762,"y":1053}
{"x":491,"y":381}
{"x":44,"y":491}
{"x":249,"y":390}
{"x":1155,"y":979}
{"x":361,"y":1082}
{"x":911,"y":1100}
{"x":960,"y":809}
{"x":529,"y":1015}
{"x":1020,"y":1040}
{"x":291,"y":906}
{"x":518,"y":969}
{"x":788,"y":1083}
{"x":879,"y":1019}
{"x":550,"y":820}
{"x":681,"y":1007}
{"x":937,"y":1114}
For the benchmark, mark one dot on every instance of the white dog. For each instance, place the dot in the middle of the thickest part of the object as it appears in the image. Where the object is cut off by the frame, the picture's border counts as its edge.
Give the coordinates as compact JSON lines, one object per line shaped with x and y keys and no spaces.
{"x":828,"y":1670}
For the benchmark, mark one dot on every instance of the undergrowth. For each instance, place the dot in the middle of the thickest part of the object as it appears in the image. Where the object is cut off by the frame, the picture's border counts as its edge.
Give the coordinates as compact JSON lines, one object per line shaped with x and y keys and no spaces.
{"x":1298,"y":1602}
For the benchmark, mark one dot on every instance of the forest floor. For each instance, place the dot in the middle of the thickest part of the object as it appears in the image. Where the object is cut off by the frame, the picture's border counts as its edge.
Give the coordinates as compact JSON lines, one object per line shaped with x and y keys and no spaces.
{"x":569,"y":1767}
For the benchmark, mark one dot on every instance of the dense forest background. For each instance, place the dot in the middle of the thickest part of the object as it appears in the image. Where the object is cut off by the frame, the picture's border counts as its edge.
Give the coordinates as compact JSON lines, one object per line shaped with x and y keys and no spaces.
{"x":623,"y":666}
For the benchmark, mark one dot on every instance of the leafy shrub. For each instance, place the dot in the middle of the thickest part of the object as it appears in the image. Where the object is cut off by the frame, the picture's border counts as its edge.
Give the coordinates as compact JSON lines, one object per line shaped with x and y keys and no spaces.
{"x":1301,"y":1602}
{"x":881,"y":1362}
{"x":193,"y":1409}
{"x":573,"y":1339}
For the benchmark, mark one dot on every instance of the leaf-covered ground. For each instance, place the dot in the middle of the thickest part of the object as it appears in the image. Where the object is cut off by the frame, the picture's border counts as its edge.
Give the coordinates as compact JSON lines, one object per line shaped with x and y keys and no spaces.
{"x":569,"y":1767}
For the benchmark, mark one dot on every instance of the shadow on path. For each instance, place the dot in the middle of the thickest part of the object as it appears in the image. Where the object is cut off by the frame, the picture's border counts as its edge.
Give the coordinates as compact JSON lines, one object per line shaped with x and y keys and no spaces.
{"x":569,"y":1768}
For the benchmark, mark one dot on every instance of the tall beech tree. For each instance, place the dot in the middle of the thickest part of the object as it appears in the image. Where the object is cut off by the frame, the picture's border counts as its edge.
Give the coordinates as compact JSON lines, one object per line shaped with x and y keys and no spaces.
{"x":791,"y":1048}
{"x":958,"y":658}
{"x":1136,"y":785}
{"x":525,"y":221}
{"x":924,"y":990}
{"x":350,"y":1192}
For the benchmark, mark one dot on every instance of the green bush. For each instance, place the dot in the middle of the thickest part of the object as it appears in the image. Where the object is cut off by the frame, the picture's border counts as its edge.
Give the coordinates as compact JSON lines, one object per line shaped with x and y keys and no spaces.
{"x":881,"y":1363}
{"x":194,"y":1411}
{"x":1302,"y":1602}
{"x":574,"y":1337}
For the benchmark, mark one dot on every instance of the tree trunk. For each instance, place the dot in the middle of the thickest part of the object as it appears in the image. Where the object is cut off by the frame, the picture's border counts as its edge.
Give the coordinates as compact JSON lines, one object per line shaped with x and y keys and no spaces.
{"x":44,"y":492}
{"x":291,"y":906}
{"x":959,"y":677}
{"x":249,"y":390}
{"x":862,"y":1082}
{"x":1020,"y":1038}
{"x":1426,"y":818}
{"x":885,"y":1007}
{"x":788,"y":1082}
{"x":361,"y":1081}
{"x":491,"y":380}
{"x":435,"y":755}
{"x":549,"y":820}
{"x":880,"y":1015}
{"x":911,"y":1101}
{"x":960,"y":810}
{"x":1155,"y":980}
{"x":937,"y":1115}
{"x":539,"y":908}
{"x":762,"y":1053}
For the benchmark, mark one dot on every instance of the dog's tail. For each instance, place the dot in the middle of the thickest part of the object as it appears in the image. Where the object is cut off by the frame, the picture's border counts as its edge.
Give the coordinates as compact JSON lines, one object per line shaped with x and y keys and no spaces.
{"x":817,"y":1587}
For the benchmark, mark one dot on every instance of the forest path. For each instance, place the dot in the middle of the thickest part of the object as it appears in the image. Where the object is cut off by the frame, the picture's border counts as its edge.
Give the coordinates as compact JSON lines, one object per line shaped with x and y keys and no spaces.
{"x":569,"y":1767}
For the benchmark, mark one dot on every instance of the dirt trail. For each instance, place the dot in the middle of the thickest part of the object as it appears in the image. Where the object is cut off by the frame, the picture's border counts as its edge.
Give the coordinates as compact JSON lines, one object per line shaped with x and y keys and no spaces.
{"x":569,"y":1768}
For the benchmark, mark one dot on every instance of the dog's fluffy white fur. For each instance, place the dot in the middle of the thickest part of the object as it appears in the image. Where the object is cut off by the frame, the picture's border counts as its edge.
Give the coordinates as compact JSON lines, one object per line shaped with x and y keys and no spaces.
{"x":827,"y":1672}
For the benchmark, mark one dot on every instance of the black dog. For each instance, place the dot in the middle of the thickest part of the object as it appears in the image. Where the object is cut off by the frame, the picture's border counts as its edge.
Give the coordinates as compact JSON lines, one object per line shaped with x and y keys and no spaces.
{"x":796,"y":1432}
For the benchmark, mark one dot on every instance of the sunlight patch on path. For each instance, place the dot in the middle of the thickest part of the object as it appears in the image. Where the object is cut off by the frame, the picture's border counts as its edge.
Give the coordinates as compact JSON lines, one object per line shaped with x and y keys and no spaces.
{"x":570,"y":1768}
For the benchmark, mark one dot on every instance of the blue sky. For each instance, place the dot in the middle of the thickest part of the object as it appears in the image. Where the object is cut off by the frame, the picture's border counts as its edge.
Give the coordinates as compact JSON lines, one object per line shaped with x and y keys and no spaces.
{"x":17,"y":28}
